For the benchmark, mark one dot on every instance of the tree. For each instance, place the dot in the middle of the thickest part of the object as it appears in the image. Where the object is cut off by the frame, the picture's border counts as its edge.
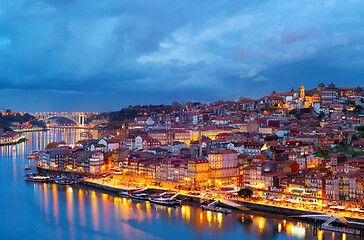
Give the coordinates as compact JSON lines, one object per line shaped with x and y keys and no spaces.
{"x":176,"y":106}
{"x":360,"y":128}
{"x":271,"y":138}
{"x":321,"y":115}
{"x":245,"y":192}
{"x":189,"y":104}
{"x":354,"y":138}
{"x":52,"y":145}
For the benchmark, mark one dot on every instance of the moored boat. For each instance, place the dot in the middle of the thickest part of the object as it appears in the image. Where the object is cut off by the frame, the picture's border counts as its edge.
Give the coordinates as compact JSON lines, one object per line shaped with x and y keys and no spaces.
{"x":38,"y":179}
{"x":139,"y":196}
{"x":67,"y":181}
{"x":63,"y":181}
{"x":124,"y":193}
{"x":165,"y":201}
{"x":216,"y":209}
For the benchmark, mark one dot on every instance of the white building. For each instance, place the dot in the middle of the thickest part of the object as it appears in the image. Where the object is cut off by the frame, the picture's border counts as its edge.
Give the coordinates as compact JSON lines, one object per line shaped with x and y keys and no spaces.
{"x":110,"y":144}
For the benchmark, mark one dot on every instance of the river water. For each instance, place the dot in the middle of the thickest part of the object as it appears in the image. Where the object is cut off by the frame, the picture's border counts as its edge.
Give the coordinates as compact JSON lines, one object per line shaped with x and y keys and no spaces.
{"x":44,"y":211}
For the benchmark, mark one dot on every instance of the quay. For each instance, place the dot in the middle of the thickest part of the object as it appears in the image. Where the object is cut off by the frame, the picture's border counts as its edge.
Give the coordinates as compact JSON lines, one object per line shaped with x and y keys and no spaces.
{"x":113,"y":186}
{"x":32,"y":130}
{"x":12,"y":142}
{"x":104,"y":187}
{"x":52,"y":172}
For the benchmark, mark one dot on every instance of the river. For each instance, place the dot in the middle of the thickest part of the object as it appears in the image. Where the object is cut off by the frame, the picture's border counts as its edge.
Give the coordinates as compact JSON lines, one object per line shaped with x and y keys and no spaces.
{"x":49,"y":211}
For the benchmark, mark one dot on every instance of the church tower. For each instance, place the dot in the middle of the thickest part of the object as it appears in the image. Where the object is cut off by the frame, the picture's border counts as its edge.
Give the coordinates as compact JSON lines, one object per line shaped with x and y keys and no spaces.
{"x":302,"y":92}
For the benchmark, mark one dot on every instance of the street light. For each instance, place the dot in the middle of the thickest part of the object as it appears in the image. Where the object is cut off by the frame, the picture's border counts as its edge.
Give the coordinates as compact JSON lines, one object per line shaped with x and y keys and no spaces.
{"x":187,"y":180}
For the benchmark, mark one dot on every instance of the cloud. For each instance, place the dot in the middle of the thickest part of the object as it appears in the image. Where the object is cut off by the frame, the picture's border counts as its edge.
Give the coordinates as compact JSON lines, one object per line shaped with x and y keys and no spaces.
{"x":253,"y":72}
{"x":109,"y":54}
{"x":293,"y":36}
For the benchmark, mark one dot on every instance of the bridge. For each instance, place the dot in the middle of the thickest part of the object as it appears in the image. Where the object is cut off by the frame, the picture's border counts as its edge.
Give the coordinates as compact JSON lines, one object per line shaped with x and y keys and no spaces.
{"x":77,"y":117}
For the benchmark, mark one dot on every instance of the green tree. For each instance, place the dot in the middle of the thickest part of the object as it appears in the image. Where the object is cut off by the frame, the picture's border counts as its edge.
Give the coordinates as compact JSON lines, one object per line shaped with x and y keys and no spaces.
{"x":245,"y":192}
{"x":271,"y":138}
{"x":360,"y":128}
{"x":354,"y":138}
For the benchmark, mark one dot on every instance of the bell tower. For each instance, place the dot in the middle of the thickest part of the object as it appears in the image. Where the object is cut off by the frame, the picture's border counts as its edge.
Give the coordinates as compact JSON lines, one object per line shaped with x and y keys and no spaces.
{"x":302,"y":92}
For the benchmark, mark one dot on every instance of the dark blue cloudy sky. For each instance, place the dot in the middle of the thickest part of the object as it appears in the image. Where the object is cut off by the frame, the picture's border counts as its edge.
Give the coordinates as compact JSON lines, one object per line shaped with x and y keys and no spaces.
{"x":92,"y":55}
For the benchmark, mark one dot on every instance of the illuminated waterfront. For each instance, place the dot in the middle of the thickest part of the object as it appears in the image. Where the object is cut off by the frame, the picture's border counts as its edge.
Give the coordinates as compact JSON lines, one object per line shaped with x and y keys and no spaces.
{"x":50,"y":211}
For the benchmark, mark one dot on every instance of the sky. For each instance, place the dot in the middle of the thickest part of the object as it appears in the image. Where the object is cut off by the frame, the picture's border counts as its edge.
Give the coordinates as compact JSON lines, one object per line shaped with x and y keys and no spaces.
{"x":78,"y":55}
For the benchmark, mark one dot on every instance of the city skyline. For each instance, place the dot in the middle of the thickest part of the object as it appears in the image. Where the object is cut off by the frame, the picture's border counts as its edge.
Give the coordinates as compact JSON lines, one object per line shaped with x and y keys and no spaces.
{"x":78,"y":56}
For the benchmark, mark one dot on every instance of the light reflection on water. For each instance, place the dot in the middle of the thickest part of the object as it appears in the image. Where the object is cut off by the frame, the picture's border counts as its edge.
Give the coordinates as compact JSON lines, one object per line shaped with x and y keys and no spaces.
{"x":51,"y":211}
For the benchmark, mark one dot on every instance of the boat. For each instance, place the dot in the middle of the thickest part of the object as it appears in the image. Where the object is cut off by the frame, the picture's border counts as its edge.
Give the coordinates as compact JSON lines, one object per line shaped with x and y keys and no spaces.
{"x":38,"y":179}
{"x":27,"y":167}
{"x":139,"y":196}
{"x":67,"y":181}
{"x":216,"y":209}
{"x":124,"y":193}
{"x":64,"y":181}
{"x":165,"y":201}
{"x":213,"y":208}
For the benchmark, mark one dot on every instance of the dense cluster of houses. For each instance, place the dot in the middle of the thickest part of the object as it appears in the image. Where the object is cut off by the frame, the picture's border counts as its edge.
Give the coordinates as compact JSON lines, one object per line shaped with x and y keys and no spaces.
{"x":252,"y":143}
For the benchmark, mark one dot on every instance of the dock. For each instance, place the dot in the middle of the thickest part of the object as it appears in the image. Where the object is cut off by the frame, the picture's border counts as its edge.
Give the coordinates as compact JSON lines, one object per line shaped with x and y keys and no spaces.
{"x":233,"y":205}
{"x":329,"y":219}
{"x":341,"y":230}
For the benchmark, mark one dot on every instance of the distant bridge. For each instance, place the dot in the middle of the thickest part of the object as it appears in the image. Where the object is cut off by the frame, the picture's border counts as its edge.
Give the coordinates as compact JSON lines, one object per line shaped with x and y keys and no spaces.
{"x":77,"y":117}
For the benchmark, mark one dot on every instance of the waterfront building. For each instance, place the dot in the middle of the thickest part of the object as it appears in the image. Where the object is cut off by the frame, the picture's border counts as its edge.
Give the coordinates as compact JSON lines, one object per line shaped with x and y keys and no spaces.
{"x":315,"y":185}
{"x":223,"y":164}
{"x":96,"y":162}
{"x":256,"y":176}
{"x":197,"y":171}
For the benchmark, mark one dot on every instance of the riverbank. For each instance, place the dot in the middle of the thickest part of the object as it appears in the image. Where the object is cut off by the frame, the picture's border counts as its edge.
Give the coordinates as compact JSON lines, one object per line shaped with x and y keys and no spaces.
{"x":51,"y":172}
{"x":12,"y":142}
{"x":32,"y":130}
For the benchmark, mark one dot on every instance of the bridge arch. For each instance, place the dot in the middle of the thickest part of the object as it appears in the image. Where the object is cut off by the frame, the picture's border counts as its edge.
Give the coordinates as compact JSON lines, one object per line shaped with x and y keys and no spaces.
{"x":69,"y":118}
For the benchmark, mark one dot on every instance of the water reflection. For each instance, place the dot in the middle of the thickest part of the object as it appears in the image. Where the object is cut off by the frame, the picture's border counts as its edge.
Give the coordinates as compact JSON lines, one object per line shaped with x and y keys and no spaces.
{"x":55,"y":202}
{"x":95,"y":211}
{"x":130,"y":215}
{"x":81,"y":206}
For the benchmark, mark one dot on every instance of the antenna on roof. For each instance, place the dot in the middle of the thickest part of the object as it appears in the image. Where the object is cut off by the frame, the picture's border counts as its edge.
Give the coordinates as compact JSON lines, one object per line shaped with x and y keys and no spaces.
{"x":199,"y":142}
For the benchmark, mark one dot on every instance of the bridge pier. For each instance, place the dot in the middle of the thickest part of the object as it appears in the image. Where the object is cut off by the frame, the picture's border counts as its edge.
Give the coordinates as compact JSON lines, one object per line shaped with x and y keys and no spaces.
{"x":81,"y":120}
